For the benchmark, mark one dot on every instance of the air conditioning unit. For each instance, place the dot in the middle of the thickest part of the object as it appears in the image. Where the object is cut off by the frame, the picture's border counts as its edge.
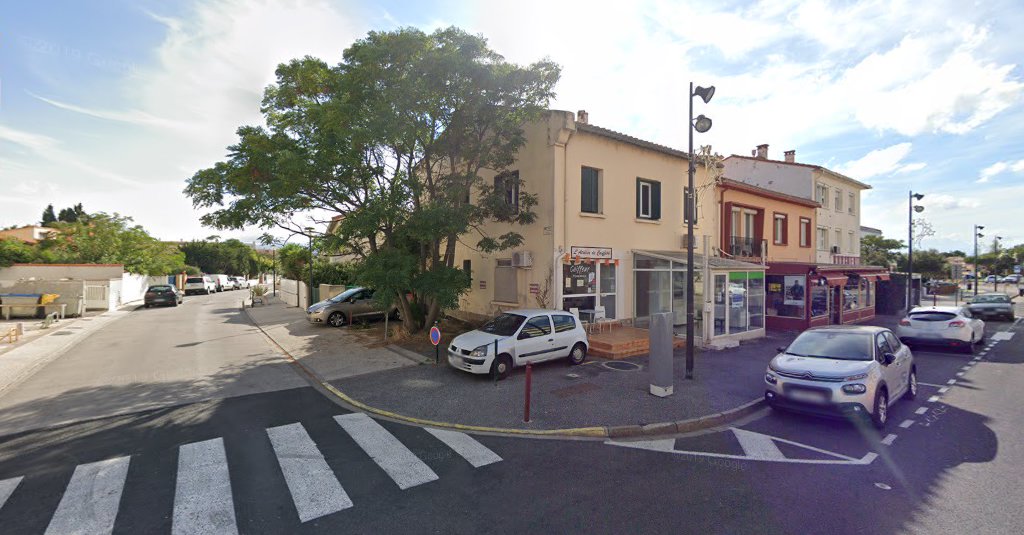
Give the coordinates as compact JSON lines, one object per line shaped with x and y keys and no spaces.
{"x":522,"y":259}
{"x":684,"y":243}
{"x":835,"y":249}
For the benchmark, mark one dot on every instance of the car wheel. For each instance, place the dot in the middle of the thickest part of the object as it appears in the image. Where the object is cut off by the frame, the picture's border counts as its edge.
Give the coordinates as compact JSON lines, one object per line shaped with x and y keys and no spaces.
{"x":146,"y":305}
{"x":911,"y":392}
{"x":578,"y":354}
{"x":501,"y":368}
{"x":336,"y":319}
{"x":969,"y":348}
{"x":881,"y":412}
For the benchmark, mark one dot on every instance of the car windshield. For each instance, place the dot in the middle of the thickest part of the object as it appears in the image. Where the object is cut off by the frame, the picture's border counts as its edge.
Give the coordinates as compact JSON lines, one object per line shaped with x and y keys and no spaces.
{"x":504,"y":325}
{"x":159,"y":289}
{"x":991,"y":299}
{"x":344,"y":295}
{"x":832,"y":345}
{"x":932,"y":316}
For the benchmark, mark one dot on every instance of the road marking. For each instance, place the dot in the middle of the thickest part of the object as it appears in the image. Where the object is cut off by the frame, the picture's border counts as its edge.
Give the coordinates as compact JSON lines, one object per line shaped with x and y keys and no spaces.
{"x":922,"y":410}
{"x":7,"y":487}
{"x":476,"y":453}
{"x":91,"y":500}
{"x":929,"y":384}
{"x":758,"y":446}
{"x":959,"y":374}
{"x":889,"y":439}
{"x":933,"y":399}
{"x":906,"y":423}
{"x":667,"y":446}
{"x":315,"y":490}
{"x":967,"y":366}
{"x":944,"y":389}
{"x":951,"y":382}
{"x":388,"y":452}
{"x":976,"y":359}
{"x":202,"y":496}
{"x":1002,"y":335}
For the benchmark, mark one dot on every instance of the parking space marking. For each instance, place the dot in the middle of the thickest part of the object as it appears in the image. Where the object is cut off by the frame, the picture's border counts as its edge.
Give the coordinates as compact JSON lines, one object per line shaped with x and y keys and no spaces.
{"x":889,"y":439}
{"x":959,"y":374}
{"x":922,"y":410}
{"x":951,"y":382}
{"x":933,"y":399}
{"x":906,"y":423}
{"x":944,"y":389}
{"x":919,"y":383}
{"x":1002,"y":335}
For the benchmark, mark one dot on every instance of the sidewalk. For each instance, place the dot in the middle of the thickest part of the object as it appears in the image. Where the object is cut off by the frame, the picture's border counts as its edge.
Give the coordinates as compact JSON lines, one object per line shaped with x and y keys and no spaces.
{"x":607,"y":398}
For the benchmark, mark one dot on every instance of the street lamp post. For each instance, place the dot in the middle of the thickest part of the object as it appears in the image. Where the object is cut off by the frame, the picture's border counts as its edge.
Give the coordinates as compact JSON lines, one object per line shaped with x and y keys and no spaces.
{"x":977,"y":274}
{"x":995,"y":288}
{"x":910,"y":243}
{"x":702,"y":124}
{"x":309,"y":293}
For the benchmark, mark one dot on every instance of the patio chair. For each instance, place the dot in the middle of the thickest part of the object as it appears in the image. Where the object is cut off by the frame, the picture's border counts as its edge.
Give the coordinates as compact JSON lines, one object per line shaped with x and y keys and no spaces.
{"x":600,"y":319}
{"x":575,"y":311}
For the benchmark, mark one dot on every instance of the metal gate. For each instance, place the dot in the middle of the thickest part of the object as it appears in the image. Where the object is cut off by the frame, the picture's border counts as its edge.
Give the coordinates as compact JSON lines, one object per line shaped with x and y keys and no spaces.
{"x":96,"y":297}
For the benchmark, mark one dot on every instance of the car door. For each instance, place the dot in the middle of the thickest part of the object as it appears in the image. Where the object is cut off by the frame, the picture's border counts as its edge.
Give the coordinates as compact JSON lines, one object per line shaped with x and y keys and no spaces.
{"x":977,"y":326}
{"x":565,"y":334}
{"x":535,"y":340}
{"x":903,"y":357}
{"x":890,"y":372}
{"x":359,"y":304}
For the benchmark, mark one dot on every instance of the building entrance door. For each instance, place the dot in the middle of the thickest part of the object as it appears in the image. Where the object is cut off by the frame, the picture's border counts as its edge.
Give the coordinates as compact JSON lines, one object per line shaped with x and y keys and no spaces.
{"x":836,"y":305}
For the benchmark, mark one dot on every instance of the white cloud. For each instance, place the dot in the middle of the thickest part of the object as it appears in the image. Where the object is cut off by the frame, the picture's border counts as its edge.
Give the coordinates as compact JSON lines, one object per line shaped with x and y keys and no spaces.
{"x":999,"y":168}
{"x":881,"y":162}
{"x":944,"y":202}
{"x":130,"y":116}
{"x":35,"y":142}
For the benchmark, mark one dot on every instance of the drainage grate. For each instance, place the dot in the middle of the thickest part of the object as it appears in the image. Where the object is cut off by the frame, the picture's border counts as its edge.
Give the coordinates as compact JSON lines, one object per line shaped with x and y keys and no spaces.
{"x":621,"y":366}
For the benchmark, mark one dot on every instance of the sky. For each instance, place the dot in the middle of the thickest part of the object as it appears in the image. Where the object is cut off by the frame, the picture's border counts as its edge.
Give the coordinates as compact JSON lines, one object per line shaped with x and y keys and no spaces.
{"x":115,"y":104}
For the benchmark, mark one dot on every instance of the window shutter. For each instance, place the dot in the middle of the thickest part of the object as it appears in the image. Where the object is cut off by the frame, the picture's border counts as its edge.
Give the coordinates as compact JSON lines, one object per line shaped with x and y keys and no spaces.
{"x":589,"y":191}
{"x":655,"y":200}
{"x":638,"y":199}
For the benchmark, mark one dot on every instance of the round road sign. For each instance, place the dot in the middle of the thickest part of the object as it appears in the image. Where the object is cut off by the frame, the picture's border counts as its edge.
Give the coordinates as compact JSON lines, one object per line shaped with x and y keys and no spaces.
{"x":435,"y":335}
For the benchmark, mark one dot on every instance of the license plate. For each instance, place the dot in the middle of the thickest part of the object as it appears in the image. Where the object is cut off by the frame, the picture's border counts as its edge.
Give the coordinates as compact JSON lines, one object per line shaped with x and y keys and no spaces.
{"x":455,"y":359}
{"x":809,"y":396}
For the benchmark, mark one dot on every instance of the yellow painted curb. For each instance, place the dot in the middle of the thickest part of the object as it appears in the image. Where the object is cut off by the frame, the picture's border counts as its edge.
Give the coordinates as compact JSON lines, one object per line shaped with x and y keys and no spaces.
{"x":593,"y":432}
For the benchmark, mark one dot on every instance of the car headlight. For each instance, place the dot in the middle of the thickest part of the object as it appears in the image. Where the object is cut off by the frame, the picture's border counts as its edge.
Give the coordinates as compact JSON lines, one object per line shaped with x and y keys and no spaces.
{"x":771,"y":379}
{"x":857,"y":377}
{"x":855,"y":388}
{"x":479,"y":352}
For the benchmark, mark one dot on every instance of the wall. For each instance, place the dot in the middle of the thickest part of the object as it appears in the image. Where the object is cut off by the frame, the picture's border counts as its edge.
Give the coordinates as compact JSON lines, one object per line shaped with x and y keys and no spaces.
{"x":772,"y":175}
{"x":72,"y":293}
{"x":791,"y":251}
{"x":843,"y":220}
{"x":291,"y":292}
{"x":328,"y":291}
{"x":62,"y":271}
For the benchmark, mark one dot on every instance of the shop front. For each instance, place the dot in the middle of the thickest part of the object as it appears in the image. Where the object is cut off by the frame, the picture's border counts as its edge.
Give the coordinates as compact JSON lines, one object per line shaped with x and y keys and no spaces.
{"x":800,"y":296}
{"x":590,"y":282}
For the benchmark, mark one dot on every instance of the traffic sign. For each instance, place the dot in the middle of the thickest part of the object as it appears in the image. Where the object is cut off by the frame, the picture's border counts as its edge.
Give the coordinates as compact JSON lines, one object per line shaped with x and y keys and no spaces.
{"x":435,"y":335}
{"x":1016,"y":269}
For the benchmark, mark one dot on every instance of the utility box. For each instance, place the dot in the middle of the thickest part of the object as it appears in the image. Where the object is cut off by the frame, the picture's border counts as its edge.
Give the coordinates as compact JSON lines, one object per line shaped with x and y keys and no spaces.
{"x":660,"y":335}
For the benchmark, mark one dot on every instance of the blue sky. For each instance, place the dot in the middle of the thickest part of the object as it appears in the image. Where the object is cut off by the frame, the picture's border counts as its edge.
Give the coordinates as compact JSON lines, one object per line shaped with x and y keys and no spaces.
{"x":114,"y":104}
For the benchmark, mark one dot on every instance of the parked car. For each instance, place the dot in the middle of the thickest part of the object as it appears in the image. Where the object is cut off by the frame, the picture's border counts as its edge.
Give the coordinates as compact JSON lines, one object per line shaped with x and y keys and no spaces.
{"x":942,"y":325}
{"x":842,"y":370}
{"x":200,"y":284}
{"x":221,"y":281}
{"x":1010,"y":279}
{"x":992,"y":305}
{"x":241,"y":282}
{"x":234,"y":283}
{"x":350,"y":305}
{"x":163,"y":294}
{"x":991,"y":279}
{"x":527,"y":335}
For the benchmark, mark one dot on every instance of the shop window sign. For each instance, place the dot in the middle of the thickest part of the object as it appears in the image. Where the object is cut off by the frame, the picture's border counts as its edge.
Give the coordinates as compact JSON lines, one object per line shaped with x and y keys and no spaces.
{"x":579,"y":278}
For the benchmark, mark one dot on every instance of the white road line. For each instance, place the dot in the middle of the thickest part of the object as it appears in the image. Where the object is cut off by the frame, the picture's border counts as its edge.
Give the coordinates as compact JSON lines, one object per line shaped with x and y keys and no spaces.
{"x":476,"y":453}
{"x":966,"y":367}
{"x":951,"y":382}
{"x":758,"y":446}
{"x":889,"y":439}
{"x":944,"y":389}
{"x":933,"y":399}
{"x":91,"y":500}
{"x":7,"y":487}
{"x":315,"y":490}
{"x":1002,"y":335}
{"x":202,"y":496}
{"x":388,"y":452}
{"x":906,"y":423}
{"x":922,"y":410}
{"x":929,"y":384}
{"x":959,"y":374}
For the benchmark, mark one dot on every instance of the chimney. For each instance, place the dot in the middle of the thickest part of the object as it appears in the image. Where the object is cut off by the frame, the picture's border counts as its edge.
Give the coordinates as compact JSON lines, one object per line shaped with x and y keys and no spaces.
{"x":762,"y":151}
{"x":791,"y":156}
{"x":582,"y":117}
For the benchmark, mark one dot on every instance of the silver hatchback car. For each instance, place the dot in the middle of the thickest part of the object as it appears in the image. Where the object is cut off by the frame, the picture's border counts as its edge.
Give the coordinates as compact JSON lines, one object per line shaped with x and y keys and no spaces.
{"x":842,"y":371}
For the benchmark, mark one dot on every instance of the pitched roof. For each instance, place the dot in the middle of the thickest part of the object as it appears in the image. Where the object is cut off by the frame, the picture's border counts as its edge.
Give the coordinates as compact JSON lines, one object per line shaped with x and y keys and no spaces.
{"x":619,"y":136}
{"x":811,"y":166}
{"x":729,"y":183}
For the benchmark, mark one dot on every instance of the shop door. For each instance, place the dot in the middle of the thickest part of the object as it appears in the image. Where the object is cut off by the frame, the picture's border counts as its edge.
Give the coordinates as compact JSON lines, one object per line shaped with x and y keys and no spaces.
{"x":836,"y":305}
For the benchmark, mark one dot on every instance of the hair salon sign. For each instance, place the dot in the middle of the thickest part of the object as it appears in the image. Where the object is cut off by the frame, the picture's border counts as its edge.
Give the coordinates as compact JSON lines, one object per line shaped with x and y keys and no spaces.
{"x":591,"y":252}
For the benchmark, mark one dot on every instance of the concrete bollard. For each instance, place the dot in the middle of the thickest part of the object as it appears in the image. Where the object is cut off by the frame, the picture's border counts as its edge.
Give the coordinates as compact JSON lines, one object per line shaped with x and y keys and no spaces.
{"x":660,"y":335}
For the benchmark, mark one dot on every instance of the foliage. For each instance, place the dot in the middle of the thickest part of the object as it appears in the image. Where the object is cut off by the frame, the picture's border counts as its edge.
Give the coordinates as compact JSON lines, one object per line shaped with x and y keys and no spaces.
{"x":14,"y":251}
{"x":325,"y":272}
{"x":879,"y":251}
{"x":229,"y":257}
{"x":930,"y":263}
{"x":394,"y":139}
{"x":259,"y":290}
{"x":48,"y":216}
{"x":193,"y":270}
{"x":111,"y":239}
{"x":67,"y":215}
{"x":292,"y":260}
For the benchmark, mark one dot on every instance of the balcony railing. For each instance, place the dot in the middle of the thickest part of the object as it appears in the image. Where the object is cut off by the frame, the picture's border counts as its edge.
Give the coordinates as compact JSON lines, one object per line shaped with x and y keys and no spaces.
{"x":846,"y":260}
{"x":745,"y":247}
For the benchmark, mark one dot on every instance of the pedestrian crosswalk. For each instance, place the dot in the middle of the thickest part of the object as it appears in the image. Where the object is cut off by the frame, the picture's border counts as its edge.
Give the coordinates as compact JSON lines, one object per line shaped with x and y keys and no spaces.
{"x":203,"y":500}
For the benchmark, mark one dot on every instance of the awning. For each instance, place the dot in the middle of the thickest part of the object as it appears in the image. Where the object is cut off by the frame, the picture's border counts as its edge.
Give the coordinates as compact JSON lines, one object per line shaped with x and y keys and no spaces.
{"x":836,"y":280}
{"x":883,"y":276}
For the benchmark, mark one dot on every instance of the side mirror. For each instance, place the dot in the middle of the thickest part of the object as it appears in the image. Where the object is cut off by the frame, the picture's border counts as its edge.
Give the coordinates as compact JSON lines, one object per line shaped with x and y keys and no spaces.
{"x":888,"y":358}
{"x":780,"y":349}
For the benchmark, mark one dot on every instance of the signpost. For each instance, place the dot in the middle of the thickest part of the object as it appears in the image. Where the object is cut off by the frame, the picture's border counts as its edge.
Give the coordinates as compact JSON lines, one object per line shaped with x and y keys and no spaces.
{"x":435,"y":338}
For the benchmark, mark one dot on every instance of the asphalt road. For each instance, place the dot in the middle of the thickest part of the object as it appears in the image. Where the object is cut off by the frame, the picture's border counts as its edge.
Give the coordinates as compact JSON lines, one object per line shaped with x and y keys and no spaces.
{"x":256,"y":459}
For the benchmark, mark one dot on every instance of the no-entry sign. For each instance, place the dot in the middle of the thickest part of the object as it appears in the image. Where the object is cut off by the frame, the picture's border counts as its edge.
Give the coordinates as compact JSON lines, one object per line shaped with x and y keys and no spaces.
{"x":435,"y":335}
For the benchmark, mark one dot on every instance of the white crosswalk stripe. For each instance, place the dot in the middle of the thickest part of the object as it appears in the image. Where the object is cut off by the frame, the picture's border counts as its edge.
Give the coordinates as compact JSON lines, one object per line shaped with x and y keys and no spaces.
{"x":315,"y":490}
{"x":388,"y":452}
{"x":202,"y":497}
{"x":476,"y":453}
{"x":7,"y":487}
{"x":91,"y":500}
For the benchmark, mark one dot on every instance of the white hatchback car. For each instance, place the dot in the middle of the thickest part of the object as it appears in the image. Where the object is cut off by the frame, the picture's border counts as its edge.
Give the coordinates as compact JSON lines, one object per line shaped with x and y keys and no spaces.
{"x":942,"y":325}
{"x":516,"y":338}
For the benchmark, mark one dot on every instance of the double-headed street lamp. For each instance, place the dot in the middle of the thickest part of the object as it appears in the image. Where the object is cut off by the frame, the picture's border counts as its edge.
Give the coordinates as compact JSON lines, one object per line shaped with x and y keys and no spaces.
{"x":701,"y":124}
{"x":910,"y":243}
{"x":977,"y":274}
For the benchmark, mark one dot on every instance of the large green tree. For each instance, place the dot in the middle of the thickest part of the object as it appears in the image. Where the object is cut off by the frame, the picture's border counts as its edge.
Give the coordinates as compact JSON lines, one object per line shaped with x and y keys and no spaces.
{"x":396,"y":139}
{"x":13,"y":250}
{"x":879,"y":251}
{"x":111,"y":239}
{"x":230,"y":256}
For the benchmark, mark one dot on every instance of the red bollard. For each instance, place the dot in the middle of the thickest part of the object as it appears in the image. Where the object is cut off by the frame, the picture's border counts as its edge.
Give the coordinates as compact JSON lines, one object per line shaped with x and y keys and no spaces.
{"x":529,"y":377}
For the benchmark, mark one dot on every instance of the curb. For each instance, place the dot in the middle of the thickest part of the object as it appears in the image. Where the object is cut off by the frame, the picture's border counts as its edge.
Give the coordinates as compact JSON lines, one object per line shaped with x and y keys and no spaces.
{"x":595,"y":432}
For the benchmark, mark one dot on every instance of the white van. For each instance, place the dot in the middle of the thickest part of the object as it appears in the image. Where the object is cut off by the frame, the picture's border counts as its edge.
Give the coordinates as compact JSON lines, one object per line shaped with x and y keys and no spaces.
{"x":222,"y":282}
{"x":200,"y":284}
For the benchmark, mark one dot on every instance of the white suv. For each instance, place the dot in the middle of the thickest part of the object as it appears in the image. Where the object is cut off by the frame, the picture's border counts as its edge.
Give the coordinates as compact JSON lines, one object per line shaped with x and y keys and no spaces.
{"x":197,"y":284}
{"x":522,"y":336}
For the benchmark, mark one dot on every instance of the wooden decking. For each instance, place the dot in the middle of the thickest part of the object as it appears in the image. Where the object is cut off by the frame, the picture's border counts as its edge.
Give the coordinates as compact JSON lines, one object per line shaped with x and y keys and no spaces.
{"x":622,"y":342}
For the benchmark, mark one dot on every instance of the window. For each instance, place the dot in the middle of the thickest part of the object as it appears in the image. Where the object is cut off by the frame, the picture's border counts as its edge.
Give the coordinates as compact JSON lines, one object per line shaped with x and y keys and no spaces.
{"x":851,"y":204}
{"x":857,"y":293}
{"x":839,"y":240}
{"x":507,"y":184}
{"x":822,"y":239}
{"x":881,"y":346}
{"x":591,"y":191}
{"x":851,"y":248}
{"x":506,"y":279}
{"x":467,"y":268}
{"x":538,"y":326}
{"x":894,"y":342}
{"x":781,"y":234}
{"x":785,"y":294}
{"x":822,"y":195}
{"x":563,"y":322}
{"x":805,"y":232}
{"x":819,"y":300}
{"x":687,"y":207}
{"x":648,"y":199}
{"x":839,"y":200}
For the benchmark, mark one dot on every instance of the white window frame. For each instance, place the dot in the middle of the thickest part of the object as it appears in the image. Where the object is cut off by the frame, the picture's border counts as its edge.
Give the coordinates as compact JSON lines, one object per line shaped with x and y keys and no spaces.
{"x":822,"y":233}
{"x":839,"y":200}
{"x":823,"y":194}
{"x":805,"y":232}
{"x":779,"y":229}
{"x":839,"y":240}
{"x":853,"y":203}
